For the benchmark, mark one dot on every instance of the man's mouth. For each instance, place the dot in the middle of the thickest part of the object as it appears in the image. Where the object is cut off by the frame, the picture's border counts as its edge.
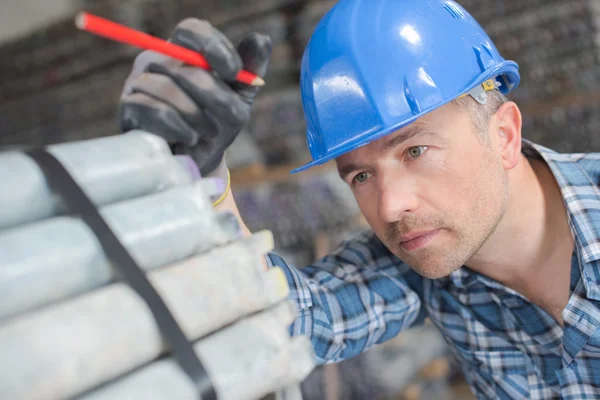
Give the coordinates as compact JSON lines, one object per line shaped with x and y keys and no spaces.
{"x":416,"y":240}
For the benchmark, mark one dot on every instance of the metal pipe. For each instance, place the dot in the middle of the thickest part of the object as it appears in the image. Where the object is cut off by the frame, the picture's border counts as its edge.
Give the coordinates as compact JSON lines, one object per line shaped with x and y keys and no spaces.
{"x":67,"y":348}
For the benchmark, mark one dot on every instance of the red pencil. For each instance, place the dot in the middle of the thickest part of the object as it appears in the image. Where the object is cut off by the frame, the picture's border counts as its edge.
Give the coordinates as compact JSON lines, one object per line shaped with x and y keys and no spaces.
{"x":111,"y":30}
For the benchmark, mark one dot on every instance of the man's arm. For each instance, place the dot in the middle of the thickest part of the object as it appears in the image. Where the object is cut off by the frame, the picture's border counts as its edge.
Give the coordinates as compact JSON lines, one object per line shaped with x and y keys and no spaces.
{"x":354,"y":298}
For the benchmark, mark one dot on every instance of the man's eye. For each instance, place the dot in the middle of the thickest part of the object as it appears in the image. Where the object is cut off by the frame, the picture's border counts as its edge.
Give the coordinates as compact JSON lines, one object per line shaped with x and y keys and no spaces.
{"x":416,"y":151}
{"x":362,"y":177}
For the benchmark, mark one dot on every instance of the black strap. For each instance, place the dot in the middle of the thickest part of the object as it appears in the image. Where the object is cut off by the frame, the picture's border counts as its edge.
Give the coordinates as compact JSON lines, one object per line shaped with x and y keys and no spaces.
{"x":77,"y":203}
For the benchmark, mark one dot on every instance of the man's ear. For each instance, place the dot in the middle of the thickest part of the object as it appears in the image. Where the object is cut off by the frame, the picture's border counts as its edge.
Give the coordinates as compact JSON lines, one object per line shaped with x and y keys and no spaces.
{"x":506,"y":134}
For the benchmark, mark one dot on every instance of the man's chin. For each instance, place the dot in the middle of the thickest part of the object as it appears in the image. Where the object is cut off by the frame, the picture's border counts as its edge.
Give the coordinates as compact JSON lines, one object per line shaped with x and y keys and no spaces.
{"x":431,"y":268}
{"x":433,"y":273}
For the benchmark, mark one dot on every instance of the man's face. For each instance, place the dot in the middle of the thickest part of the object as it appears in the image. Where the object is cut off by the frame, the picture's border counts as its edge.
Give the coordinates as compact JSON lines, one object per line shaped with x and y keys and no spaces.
{"x":433,"y":191}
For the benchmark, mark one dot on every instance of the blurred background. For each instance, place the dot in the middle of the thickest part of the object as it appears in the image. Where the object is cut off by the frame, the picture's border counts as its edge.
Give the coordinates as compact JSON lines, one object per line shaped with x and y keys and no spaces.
{"x":58,"y":84}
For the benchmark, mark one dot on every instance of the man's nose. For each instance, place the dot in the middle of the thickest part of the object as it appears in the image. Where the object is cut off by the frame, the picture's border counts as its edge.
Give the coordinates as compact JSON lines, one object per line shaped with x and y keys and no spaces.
{"x":396,"y":196}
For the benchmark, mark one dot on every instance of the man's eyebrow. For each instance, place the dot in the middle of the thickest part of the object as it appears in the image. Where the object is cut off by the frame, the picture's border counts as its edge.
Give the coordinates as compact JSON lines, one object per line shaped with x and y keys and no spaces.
{"x":407,"y":133}
{"x":392,"y":143}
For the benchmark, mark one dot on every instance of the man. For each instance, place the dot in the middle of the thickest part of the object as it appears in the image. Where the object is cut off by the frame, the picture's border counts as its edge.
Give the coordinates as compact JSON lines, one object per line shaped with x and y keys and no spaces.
{"x":494,"y":238}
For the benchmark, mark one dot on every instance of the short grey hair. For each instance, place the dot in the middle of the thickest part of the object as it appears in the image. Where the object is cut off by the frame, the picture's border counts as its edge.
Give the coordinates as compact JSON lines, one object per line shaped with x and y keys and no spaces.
{"x":481,"y":113}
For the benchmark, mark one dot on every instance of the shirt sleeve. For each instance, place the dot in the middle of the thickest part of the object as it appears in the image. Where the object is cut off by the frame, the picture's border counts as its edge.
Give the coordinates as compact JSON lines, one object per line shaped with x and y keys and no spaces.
{"x":356,"y":297}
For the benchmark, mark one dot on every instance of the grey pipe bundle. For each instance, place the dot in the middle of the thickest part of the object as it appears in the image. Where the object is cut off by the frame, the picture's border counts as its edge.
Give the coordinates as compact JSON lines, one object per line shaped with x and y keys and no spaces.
{"x":76,"y":344}
{"x":60,"y":257}
{"x":71,"y":327}
{"x":108,"y":169}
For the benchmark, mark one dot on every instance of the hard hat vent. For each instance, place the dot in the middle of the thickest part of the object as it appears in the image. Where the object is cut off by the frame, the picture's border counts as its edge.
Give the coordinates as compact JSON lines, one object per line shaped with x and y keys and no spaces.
{"x":454,"y":11}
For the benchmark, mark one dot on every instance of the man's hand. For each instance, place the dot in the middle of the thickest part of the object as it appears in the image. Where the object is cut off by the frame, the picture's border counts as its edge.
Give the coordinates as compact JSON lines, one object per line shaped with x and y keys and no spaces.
{"x":199,"y":112}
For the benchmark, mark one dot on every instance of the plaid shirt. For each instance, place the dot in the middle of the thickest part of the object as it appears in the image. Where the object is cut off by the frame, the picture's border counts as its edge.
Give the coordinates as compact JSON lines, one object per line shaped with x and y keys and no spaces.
{"x":509,"y":348}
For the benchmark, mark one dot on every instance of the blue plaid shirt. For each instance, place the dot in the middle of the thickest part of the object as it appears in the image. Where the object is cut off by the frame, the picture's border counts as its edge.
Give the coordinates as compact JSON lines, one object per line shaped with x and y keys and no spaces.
{"x":509,"y":348}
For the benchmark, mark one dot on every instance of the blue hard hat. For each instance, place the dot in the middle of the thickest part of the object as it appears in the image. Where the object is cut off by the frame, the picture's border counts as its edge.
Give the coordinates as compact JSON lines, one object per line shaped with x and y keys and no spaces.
{"x":374,"y":66}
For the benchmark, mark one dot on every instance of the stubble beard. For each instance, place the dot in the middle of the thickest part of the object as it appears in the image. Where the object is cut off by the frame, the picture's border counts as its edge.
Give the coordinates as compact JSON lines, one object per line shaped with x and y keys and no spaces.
{"x":460,"y":244}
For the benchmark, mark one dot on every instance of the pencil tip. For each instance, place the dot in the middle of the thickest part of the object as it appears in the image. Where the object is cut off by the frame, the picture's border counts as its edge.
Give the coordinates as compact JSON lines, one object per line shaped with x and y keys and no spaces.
{"x":80,"y":20}
{"x":258,"y":81}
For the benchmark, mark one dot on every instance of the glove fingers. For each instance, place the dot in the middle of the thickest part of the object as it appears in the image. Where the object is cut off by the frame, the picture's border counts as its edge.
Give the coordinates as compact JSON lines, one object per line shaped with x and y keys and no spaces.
{"x":140,"y":64}
{"x":161,"y":86}
{"x":209,"y":93}
{"x":139,"y":111}
{"x":255,"y":51}
{"x":219,"y":52}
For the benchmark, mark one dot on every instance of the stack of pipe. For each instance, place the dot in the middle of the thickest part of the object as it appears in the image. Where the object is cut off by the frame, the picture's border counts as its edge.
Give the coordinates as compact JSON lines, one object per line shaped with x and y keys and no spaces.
{"x":70,"y":328}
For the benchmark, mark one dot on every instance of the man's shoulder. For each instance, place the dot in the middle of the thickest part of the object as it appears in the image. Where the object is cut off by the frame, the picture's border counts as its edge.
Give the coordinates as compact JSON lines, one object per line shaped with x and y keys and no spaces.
{"x":589,"y":163}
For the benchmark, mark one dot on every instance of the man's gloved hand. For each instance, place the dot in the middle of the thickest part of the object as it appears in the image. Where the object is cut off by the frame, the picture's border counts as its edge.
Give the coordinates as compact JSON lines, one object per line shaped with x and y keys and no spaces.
{"x":198,"y":112}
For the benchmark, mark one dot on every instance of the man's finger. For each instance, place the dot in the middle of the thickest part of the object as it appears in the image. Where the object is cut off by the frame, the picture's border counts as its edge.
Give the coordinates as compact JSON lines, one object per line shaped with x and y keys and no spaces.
{"x":140,"y":64}
{"x":139,"y":111}
{"x":255,"y":51}
{"x":162,"y":87}
{"x":209,"y":93}
{"x":219,"y":52}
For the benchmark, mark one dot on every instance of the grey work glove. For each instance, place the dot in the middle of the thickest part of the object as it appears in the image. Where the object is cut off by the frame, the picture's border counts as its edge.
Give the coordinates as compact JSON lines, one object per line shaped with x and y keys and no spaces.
{"x":198,"y":112}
